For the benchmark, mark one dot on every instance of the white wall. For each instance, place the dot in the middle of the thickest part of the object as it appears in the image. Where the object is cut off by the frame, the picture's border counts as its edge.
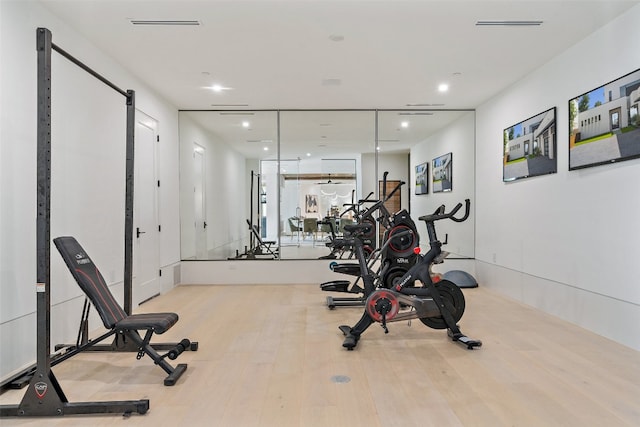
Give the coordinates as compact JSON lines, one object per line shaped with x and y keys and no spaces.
{"x":226,"y":180}
{"x":458,"y":139}
{"x":566,"y":243}
{"x":87,"y":179}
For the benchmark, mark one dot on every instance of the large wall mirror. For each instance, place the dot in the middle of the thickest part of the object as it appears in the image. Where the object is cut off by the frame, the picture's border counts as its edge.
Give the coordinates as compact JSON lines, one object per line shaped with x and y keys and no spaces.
{"x":282,"y":181}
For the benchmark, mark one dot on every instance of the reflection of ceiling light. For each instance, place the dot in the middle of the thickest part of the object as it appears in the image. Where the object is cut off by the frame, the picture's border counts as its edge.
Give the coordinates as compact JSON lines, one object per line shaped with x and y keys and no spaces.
{"x":443,"y":87}
{"x":404,"y":124}
{"x":266,"y":148}
{"x":245,"y":124}
{"x":308,"y":154}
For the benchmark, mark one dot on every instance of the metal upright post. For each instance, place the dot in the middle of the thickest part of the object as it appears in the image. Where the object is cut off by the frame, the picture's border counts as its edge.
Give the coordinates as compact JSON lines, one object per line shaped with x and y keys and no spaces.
{"x":128,"y":207}
{"x":44,"y":396}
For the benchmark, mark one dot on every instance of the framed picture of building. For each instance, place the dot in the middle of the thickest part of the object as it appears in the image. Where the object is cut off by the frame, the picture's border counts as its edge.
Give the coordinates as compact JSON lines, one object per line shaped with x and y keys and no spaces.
{"x":529,"y":147}
{"x":422,"y":178}
{"x":442,"y":173}
{"x":604,"y":123}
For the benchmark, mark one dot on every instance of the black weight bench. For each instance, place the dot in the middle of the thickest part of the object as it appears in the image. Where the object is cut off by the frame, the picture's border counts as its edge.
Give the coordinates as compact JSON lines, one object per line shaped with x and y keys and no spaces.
{"x":113,"y":315}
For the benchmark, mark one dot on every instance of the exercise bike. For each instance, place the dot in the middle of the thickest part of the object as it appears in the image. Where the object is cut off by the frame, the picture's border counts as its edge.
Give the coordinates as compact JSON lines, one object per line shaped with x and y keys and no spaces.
{"x":438,"y":305}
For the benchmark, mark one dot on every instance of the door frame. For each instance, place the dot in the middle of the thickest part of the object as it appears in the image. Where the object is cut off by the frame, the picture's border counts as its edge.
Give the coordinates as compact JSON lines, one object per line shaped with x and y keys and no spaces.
{"x":152,"y":124}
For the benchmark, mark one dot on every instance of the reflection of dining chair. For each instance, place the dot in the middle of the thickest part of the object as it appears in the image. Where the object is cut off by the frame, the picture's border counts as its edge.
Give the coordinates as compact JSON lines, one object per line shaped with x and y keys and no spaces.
{"x":310,"y":227}
{"x":328,"y":226}
{"x":294,"y":226}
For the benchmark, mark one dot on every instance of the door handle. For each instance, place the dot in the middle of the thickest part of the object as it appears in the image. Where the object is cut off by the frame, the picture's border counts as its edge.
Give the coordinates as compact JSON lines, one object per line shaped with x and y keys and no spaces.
{"x":205,"y":224}
{"x":138,"y":232}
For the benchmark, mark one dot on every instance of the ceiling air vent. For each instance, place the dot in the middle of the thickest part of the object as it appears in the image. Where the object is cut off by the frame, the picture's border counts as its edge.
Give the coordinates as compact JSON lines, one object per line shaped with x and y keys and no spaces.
{"x":166,"y":23}
{"x":425,"y":105}
{"x":509,"y":23}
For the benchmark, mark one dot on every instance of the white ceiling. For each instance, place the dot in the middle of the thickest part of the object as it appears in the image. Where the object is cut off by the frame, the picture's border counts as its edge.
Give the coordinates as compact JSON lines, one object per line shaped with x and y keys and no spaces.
{"x":348,"y":54}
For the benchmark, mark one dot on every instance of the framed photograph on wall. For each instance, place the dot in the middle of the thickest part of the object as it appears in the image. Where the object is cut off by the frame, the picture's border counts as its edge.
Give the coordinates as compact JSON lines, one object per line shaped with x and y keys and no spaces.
{"x":442,"y":173}
{"x":529,"y":147}
{"x":311,"y":203}
{"x":604,"y":123}
{"x":422,"y":178}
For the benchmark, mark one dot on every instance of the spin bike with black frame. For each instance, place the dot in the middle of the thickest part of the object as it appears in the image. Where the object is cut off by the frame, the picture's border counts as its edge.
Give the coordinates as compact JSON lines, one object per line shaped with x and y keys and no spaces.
{"x":400,"y":235}
{"x":438,"y":305}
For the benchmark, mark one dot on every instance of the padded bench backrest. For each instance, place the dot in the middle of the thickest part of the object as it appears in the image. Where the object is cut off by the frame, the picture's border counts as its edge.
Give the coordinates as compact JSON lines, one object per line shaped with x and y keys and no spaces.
{"x":90,"y":280}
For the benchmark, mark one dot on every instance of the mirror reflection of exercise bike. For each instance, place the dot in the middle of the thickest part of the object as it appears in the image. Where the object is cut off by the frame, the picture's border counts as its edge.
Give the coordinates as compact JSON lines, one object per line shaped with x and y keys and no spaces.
{"x":438,"y":305}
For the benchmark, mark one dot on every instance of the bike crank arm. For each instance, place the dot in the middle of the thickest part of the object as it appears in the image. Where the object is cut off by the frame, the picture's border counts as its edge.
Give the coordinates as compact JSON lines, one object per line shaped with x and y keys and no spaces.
{"x":423,"y":307}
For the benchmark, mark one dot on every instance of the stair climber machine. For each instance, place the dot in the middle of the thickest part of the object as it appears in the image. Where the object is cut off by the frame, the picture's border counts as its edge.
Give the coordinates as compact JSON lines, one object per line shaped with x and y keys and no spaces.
{"x":438,"y":305}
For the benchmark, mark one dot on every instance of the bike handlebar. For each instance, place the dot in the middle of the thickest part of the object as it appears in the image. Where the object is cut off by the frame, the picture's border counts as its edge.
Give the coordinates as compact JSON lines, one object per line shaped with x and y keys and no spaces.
{"x":367,"y":200}
{"x":440,"y":214}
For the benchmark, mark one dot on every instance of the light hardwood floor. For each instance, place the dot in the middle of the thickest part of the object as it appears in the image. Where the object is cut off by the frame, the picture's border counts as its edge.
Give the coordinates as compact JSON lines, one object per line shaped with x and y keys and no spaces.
{"x":272,"y":356}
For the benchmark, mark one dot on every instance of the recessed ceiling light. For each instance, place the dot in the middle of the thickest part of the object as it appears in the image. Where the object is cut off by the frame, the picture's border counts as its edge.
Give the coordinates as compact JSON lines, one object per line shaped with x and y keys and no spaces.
{"x":266,"y":148}
{"x":404,"y":124}
{"x":443,"y":87}
{"x":245,"y":124}
{"x":308,"y":154}
{"x":218,"y":88}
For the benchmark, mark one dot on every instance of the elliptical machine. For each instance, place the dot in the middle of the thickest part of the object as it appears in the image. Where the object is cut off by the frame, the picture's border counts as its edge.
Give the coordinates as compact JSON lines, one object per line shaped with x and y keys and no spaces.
{"x":438,"y":305}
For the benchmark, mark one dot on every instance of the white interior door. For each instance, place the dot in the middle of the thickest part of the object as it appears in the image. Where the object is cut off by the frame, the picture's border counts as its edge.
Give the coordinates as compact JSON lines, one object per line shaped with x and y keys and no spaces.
{"x":199,"y":201}
{"x":146,"y":255}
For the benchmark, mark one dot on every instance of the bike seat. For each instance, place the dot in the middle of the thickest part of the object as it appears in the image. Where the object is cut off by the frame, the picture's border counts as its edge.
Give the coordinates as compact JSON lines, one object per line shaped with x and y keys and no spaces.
{"x":358,"y":228}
